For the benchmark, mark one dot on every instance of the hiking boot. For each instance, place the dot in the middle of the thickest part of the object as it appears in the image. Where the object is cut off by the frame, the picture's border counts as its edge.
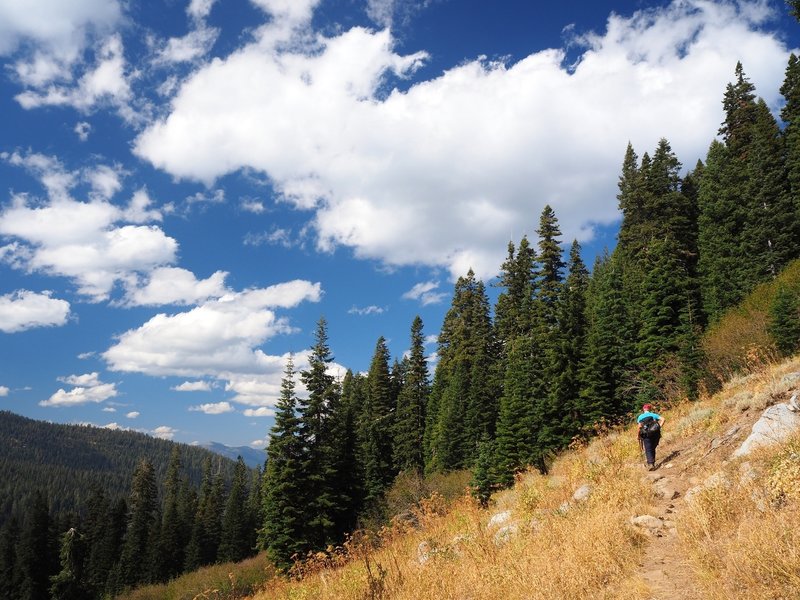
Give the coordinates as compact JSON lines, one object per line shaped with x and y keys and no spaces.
{"x":651,"y":466}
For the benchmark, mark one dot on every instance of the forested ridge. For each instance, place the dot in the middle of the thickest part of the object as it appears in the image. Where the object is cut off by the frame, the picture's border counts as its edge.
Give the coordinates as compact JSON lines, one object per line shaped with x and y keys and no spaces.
{"x":564,"y":352}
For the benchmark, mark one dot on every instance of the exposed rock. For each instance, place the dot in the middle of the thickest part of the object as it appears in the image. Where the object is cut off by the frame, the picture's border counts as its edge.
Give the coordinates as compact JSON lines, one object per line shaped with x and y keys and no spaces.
{"x":648,"y":523}
{"x":794,"y":403}
{"x":791,"y":378}
{"x":423,"y":552}
{"x":564,"y":507}
{"x":505,"y":533}
{"x":582,"y":493}
{"x":498,"y":519}
{"x":718,"y":441}
{"x":691,"y":493}
{"x":775,"y":425}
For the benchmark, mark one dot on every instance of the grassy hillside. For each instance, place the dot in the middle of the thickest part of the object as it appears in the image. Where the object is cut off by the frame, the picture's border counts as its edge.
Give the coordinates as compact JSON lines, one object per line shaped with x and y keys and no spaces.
{"x":65,"y":461}
{"x":709,"y":526}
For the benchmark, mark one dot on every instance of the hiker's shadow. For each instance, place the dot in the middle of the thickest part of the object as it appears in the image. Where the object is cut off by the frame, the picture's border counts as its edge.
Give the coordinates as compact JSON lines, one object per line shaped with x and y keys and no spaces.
{"x":668,"y":457}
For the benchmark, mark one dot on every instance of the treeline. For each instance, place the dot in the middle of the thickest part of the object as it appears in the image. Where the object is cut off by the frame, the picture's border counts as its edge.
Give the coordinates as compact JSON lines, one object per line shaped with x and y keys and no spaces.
{"x":146,"y":537}
{"x":65,"y":462}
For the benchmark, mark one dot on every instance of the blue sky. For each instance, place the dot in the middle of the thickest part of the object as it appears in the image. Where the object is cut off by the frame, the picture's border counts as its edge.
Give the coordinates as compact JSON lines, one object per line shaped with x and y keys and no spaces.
{"x":187,"y":186}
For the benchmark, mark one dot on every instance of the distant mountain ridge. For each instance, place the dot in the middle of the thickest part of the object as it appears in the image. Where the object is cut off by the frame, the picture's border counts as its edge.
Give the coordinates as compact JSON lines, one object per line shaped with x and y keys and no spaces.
{"x":253,"y":457}
{"x":67,"y":461}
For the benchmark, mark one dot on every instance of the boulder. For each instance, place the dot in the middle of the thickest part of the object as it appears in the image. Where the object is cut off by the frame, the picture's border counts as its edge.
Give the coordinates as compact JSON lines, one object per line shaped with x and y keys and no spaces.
{"x":505,"y":533}
{"x":499,"y":519}
{"x":423,"y":552}
{"x":582,"y":493}
{"x":775,"y":425}
{"x":648,"y":523}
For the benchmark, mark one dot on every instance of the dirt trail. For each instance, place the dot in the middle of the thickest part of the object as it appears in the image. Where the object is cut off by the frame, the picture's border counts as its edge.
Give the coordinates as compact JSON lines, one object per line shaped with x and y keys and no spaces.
{"x":664,"y":568}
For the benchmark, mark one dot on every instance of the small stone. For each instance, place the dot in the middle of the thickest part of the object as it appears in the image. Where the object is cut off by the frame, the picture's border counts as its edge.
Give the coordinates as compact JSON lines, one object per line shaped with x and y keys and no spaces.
{"x":648,"y":522}
{"x":423,"y":552}
{"x":582,"y":493}
{"x":564,"y":508}
{"x":498,"y":519}
{"x":505,"y":533}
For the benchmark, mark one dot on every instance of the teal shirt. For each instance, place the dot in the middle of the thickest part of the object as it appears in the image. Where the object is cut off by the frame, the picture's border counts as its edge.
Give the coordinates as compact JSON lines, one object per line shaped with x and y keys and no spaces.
{"x":644,"y":415}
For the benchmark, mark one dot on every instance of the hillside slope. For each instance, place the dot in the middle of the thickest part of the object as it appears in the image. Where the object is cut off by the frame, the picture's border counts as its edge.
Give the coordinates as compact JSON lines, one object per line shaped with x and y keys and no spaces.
{"x":66,"y":461}
{"x":703,"y":525}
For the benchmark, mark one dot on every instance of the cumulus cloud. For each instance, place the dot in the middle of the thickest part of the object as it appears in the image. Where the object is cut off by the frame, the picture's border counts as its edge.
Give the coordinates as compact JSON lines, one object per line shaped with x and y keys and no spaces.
{"x":252,"y":205}
{"x":173,"y":285}
{"x":88,"y":389}
{"x":24,"y":309}
{"x":164,"y":432}
{"x":88,"y":242}
{"x":133,"y":414}
{"x":3,"y":391}
{"x":193,"y":386}
{"x":82,"y":129}
{"x":104,"y":82}
{"x":258,"y":412}
{"x":366,"y":310}
{"x":445,"y":172}
{"x":215,"y":408}
{"x":426,"y":293}
{"x":110,"y":409}
{"x":219,"y":339}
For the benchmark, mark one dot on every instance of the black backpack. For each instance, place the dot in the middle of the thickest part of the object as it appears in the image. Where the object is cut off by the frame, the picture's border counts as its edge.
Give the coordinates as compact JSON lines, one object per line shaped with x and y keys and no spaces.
{"x":650,"y":428}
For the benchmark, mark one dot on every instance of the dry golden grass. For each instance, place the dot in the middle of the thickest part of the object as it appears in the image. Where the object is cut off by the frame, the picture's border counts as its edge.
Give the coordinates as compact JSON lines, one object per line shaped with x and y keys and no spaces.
{"x":554,"y":552}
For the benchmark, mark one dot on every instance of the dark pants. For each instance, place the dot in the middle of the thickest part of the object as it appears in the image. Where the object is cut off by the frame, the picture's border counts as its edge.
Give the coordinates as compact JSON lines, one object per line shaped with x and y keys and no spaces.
{"x":649,"y":445}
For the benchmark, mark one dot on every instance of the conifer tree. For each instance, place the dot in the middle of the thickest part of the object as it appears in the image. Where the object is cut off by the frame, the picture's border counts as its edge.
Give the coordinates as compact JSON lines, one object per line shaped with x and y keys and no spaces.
{"x":202,"y":547}
{"x":571,"y":339}
{"x":790,"y":113}
{"x":316,"y":413}
{"x":69,"y":583}
{"x":172,"y":544}
{"x":9,"y":574}
{"x":377,"y":422}
{"x":483,"y":477}
{"x":411,"y":401}
{"x":464,"y":382}
{"x":36,"y":555}
{"x":284,"y":481}
{"x":142,"y":504}
{"x":784,"y":321}
{"x":234,"y":536}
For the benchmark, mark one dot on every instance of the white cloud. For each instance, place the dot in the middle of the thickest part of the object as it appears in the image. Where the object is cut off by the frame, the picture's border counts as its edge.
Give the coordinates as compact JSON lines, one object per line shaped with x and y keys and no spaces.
{"x":195,"y":44}
{"x":133,"y":414}
{"x":173,"y":285}
{"x":81,"y":395}
{"x":366,"y":310}
{"x":110,"y":409}
{"x":193,"y":386}
{"x":199,"y":9}
{"x":87,"y":242}
{"x":24,"y":309}
{"x":219,"y":339}
{"x":217,"y":197}
{"x":114,"y":427}
{"x":164,"y":432}
{"x":276,"y":237}
{"x":424,"y":292}
{"x":215,"y":408}
{"x":258,"y":412}
{"x":106,"y":82}
{"x":105,"y":181}
{"x":3,"y":391}
{"x":87,"y":380}
{"x":252,"y":205}
{"x":83,"y":129}
{"x":57,"y":27}
{"x":446,"y":172}
{"x":259,"y":444}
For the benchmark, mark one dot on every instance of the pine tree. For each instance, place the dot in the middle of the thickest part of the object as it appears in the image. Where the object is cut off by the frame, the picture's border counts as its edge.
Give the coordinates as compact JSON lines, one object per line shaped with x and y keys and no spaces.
{"x":171,"y":547}
{"x":377,"y":422}
{"x":790,"y":113}
{"x":36,"y":555}
{"x":483,"y":476}
{"x":411,"y":401}
{"x":784,"y":321}
{"x":283,"y":484}
{"x":142,"y":504}
{"x":69,"y":583}
{"x":234,"y":536}
{"x":571,"y":339}
{"x":322,"y":500}
{"x":464,"y":383}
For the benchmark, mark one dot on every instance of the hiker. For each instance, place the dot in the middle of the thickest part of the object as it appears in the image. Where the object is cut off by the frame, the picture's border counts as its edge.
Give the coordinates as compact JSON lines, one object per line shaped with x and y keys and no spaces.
{"x":649,"y":432}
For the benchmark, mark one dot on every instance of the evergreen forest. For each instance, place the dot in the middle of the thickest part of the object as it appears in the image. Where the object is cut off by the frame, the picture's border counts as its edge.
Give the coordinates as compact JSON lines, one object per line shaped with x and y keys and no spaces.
{"x":565,"y":352}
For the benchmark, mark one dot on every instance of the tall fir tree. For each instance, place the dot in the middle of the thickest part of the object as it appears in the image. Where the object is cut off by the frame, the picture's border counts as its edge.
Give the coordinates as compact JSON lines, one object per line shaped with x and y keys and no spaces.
{"x":69,"y":583}
{"x":36,"y":556}
{"x":412,"y":399}
{"x":137,"y":550}
{"x":784,"y":321}
{"x":235,"y":536}
{"x":377,"y":420}
{"x":282,"y":532}
{"x":173,"y":541}
{"x":322,"y":501}
{"x":9,"y":544}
